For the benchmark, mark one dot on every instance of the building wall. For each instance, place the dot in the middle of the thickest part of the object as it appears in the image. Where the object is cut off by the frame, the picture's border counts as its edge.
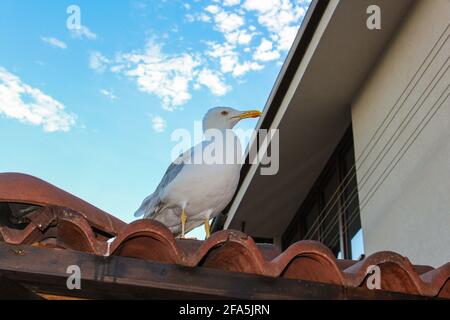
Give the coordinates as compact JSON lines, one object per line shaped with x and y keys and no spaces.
{"x":409,"y":210}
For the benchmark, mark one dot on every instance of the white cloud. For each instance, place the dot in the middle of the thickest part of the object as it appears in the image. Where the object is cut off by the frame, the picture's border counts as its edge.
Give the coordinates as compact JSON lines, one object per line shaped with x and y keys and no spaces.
{"x":228,"y":57}
{"x":228,"y":22}
{"x":212,"y":9}
{"x":255,"y":33}
{"x":203,"y":17}
{"x":190,"y":17}
{"x":54,"y":42}
{"x":278,"y":20}
{"x":238,"y":37}
{"x":30,"y":105}
{"x":98,"y":62}
{"x":245,"y":37}
{"x":83,"y":32}
{"x":280,"y":17}
{"x":158,"y":123}
{"x":286,"y":38}
{"x":139,"y":5}
{"x":226,"y":53}
{"x":242,"y":69}
{"x":213,"y":81}
{"x":109,"y":94}
{"x":261,"y":6}
{"x":265,"y":51}
{"x":117,"y":68}
{"x":198,"y":17}
{"x":230,"y":25}
{"x":168,"y":77}
{"x":229,"y":3}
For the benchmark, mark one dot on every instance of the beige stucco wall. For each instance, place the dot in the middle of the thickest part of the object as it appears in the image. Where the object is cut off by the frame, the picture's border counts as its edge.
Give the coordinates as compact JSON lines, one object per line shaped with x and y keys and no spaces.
{"x":410,"y":212}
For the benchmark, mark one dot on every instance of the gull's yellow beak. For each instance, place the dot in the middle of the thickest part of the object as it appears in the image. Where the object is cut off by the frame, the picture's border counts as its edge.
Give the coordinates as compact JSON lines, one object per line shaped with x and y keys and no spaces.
{"x":248,"y":114}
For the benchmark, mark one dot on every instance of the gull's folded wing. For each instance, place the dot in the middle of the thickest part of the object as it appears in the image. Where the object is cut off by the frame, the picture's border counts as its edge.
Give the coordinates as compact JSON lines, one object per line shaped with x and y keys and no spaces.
{"x":152,"y":204}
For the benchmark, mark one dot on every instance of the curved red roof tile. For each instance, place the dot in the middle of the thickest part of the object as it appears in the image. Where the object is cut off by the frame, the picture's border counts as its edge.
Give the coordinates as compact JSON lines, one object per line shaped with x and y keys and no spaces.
{"x":22,"y":188}
{"x":63,"y":227}
{"x":230,"y":250}
{"x":149,"y":240}
{"x":309,"y":260}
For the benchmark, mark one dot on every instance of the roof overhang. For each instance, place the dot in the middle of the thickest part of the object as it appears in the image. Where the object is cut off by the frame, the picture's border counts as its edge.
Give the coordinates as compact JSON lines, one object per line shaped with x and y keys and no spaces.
{"x":332,"y":56}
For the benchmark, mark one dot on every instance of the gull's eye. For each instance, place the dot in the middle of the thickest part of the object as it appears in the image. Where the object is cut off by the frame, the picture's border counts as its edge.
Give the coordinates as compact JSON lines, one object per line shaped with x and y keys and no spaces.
{"x":224,"y":113}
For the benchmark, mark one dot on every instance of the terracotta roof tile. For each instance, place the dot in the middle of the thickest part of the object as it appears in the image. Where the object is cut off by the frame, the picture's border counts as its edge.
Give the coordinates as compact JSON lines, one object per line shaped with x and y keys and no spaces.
{"x":59,"y":224}
{"x":21,"y":188}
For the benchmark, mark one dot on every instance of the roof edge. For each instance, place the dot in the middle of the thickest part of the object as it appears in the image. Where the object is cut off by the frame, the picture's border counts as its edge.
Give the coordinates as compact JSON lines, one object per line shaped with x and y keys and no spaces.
{"x":295,"y":56}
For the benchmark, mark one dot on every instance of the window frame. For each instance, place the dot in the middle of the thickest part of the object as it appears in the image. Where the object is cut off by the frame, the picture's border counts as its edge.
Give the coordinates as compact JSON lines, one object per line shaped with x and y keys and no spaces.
{"x":337,"y":163}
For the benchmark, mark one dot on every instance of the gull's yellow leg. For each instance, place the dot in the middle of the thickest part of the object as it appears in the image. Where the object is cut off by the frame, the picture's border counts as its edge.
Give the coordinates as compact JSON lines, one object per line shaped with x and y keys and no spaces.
{"x":207,"y":228}
{"x":183,"y":223}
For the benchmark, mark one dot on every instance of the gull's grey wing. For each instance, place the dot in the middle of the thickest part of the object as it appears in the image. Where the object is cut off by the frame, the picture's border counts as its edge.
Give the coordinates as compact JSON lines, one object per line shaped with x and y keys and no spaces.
{"x":171,"y":173}
{"x":152,"y":204}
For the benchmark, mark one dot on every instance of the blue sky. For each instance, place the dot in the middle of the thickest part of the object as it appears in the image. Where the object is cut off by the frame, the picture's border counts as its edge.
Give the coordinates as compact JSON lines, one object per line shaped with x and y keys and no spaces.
{"x":92,"y":110}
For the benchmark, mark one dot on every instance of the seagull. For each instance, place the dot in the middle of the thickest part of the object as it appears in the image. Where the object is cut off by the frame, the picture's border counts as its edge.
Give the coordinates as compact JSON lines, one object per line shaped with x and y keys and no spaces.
{"x":192,"y":192}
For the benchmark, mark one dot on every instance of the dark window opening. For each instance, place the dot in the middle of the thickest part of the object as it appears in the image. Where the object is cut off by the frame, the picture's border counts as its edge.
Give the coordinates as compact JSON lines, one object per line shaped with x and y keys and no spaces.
{"x":330,"y":213}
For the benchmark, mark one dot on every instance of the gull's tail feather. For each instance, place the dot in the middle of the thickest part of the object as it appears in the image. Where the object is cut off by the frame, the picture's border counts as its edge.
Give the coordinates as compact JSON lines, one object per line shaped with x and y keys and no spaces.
{"x":139,"y":213}
{"x":147,"y":207}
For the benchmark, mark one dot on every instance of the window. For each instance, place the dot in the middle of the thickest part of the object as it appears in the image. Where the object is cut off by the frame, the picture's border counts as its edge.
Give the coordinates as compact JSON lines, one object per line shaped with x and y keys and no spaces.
{"x":330,"y":212}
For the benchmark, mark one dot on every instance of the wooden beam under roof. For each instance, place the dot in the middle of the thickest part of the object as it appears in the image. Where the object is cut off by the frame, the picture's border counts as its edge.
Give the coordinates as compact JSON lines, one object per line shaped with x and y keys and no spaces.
{"x":44,"y":272}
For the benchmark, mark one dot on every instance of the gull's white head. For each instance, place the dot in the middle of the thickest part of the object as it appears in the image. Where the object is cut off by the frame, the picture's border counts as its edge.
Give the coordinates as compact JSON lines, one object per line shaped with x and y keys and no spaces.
{"x":226,"y":118}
